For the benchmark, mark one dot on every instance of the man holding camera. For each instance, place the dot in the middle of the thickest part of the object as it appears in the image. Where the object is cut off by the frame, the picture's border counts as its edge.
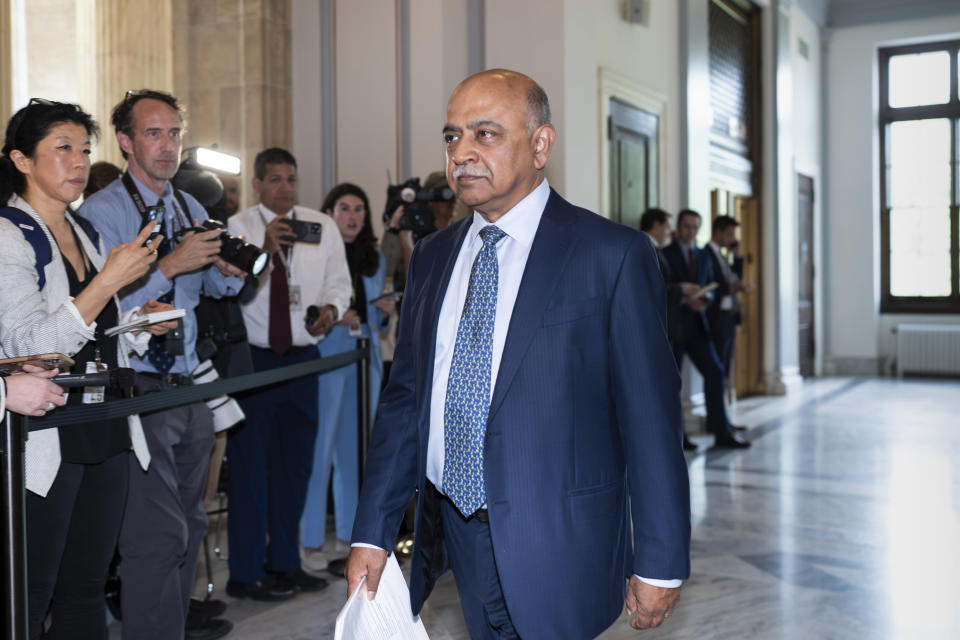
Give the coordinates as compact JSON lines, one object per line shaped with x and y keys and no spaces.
{"x":298,"y":299}
{"x":164,"y":522}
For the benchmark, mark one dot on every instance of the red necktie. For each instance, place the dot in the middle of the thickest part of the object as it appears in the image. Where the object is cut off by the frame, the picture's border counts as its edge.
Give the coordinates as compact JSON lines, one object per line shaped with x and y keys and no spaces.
{"x":280,"y":335}
{"x":692,"y":266}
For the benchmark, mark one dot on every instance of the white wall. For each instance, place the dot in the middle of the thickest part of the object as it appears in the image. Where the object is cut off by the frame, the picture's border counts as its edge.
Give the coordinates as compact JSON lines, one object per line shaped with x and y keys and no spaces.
{"x":807,"y":135}
{"x":522,"y":36}
{"x":595,"y":36}
{"x":857,"y":334}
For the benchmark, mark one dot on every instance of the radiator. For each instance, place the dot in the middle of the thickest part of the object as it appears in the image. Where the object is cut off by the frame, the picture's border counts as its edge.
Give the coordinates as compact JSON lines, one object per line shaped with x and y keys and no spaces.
{"x":928,"y":348}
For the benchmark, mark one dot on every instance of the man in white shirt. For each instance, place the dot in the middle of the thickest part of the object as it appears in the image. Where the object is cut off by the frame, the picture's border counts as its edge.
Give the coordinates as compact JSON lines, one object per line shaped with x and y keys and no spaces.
{"x":531,"y":372}
{"x":298,"y":298}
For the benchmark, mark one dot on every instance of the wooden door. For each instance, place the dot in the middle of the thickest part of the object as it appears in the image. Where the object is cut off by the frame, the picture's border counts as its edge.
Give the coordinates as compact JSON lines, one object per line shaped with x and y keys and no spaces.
{"x":633,"y":162}
{"x":747,"y":377}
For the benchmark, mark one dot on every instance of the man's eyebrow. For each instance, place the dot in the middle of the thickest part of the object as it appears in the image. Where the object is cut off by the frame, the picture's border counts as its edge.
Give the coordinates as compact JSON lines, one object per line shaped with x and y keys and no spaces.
{"x":477,"y":124}
{"x":449,"y":128}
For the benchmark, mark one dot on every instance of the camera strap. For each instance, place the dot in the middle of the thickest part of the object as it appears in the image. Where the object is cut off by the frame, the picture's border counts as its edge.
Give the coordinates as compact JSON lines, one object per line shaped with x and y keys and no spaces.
{"x":142,"y":207}
{"x":162,"y":349}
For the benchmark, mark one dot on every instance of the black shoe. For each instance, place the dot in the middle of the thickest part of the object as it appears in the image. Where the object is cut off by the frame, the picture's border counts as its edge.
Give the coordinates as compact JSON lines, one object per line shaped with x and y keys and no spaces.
{"x":731,"y":442}
{"x":207,"y":629}
{"x":737,"y":427}
{"x":301,"y":581}
{"x":206,"y":608}
{"x":266,"y":589}
{"x":338,"y":567}
{"x":688,"y":444}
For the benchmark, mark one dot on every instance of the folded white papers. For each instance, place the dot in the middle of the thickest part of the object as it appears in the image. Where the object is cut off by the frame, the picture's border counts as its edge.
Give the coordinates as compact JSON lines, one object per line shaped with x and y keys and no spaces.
{"x":386,"y":617}
{"x":138,"y":322}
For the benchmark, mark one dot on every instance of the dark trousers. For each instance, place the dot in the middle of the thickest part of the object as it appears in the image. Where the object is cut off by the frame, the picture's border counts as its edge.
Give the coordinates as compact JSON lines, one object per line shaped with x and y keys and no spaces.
{"x":165,"y":521}
{"x":271,"y":457}
{"x":470,"y":551}
{"x":704,"y":357}
{"x":723,"y":327}
{"x":71,"y":536}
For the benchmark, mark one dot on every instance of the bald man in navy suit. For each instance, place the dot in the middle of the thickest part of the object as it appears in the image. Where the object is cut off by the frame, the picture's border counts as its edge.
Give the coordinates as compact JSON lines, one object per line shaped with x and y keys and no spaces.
{"x":534,"y":403}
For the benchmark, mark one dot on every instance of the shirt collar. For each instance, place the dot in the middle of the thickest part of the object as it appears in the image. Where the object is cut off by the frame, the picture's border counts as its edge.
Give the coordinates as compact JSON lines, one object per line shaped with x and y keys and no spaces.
{"x":142,"y":188}
{"x":521,"y":222}
{"x":270,"y":215}
{"x":716,"y":248}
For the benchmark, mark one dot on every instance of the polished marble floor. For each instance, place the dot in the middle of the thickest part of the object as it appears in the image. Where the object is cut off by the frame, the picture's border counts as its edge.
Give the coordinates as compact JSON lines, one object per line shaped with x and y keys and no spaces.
{"x":842,"y":521}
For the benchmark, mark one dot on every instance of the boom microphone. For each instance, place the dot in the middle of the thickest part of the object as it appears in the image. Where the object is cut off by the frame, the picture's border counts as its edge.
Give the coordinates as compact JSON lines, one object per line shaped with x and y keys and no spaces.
{"x":121,"y":378}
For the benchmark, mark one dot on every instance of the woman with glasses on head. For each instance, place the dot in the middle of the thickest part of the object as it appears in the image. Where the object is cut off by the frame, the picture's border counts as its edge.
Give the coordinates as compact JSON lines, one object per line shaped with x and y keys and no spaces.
{"x":337,"y":442}
{"x":59,"y":296}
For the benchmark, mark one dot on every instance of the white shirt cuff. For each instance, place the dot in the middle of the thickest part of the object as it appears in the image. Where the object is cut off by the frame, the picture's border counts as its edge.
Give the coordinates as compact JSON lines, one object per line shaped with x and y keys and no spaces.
{"x":364,"y":545}
{"x":663,"y":584}
{"x":88,"y":328}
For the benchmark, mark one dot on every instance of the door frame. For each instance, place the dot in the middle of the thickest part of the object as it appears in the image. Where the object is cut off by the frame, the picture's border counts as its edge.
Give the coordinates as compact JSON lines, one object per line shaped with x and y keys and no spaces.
{"x":626,"y":90}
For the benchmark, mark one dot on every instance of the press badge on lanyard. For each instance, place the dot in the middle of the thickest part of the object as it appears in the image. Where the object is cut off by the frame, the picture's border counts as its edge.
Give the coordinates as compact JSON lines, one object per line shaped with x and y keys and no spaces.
{"x":94,"y":395}
{"x":294,"y":296}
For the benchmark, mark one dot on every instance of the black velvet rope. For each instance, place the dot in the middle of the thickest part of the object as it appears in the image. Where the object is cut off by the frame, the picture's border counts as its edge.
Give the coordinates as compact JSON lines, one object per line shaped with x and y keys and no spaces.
{"x":156,"y":401}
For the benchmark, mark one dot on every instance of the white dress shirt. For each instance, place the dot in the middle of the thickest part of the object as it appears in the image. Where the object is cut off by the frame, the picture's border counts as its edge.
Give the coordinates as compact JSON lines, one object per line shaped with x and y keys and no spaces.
{"x":320,"y":270}
{"x":726,"y":302}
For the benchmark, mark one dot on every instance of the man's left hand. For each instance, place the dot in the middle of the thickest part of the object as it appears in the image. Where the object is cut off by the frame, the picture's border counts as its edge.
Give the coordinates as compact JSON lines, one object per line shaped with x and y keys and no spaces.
{"x":323,"y":323}
{"x":158,"y":328}
{"x":649,"y":605}
{"x":228,"y":269}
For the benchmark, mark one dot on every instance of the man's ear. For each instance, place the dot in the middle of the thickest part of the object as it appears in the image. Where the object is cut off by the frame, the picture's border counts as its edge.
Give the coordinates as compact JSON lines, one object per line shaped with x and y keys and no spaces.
{"x":255,"y":183}
{"x":543,"y":139}
{"x":125,"y":142}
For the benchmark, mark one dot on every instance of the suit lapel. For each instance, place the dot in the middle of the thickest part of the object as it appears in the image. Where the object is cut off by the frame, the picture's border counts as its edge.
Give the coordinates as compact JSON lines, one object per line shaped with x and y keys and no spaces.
{"x":551,"y":249}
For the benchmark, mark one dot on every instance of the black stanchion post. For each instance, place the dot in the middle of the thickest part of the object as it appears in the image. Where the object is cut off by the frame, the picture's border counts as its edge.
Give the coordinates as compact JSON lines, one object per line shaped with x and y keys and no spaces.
{"x":12,"y":432}
{"x":363,"y":413}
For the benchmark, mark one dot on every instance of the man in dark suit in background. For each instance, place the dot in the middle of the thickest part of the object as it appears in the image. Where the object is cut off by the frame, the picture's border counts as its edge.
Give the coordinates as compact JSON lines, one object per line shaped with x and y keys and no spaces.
{"x":692,"y":265}
{"x":531,"y":373}
{"x":723,"y":314}
{"x":656,"y":224}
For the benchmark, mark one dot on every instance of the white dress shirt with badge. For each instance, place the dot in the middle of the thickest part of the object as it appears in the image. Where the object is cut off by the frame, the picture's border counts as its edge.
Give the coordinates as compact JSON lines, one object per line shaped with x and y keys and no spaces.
{"x":319,"y":270}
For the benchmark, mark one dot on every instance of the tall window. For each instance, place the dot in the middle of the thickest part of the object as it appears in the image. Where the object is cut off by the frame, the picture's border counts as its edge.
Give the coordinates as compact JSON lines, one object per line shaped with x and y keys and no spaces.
{"x":919,"y":129}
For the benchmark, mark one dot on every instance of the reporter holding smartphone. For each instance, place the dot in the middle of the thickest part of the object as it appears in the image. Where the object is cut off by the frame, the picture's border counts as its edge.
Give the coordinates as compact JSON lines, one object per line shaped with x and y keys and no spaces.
{"x":337,"y":441}
{"x":271,"y":454}
{"x":76,"y":477}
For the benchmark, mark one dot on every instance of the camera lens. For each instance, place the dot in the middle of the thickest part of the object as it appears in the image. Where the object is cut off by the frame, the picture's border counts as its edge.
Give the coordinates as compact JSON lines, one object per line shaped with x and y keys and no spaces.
{"x":243,"y":255}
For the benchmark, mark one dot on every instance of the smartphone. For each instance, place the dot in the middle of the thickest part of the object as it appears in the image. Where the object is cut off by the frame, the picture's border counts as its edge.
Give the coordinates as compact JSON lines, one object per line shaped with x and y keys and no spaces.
{"x":44,"y":360}
{"x":310,"y":232}
{"x":153,"y":216}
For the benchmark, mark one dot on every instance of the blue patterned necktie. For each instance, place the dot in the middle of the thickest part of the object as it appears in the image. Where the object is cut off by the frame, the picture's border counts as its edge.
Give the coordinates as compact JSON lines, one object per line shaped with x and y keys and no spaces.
{"x":468,"y":387}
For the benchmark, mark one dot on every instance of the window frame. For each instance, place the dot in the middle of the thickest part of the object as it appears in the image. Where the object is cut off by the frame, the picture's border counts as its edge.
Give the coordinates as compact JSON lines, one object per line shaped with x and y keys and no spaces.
{"x":887,"y":115}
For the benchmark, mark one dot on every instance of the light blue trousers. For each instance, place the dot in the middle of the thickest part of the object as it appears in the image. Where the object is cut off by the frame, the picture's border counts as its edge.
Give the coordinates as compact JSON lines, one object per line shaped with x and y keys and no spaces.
{"x":337,"y":446}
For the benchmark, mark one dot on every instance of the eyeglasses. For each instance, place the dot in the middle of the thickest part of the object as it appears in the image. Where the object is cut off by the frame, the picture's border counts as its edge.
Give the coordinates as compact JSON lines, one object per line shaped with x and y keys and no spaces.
{"x":12,"y":137}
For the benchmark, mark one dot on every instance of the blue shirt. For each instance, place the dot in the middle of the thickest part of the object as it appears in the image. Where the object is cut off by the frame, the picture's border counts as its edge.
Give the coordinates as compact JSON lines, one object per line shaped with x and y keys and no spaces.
{"x":117,"y":219}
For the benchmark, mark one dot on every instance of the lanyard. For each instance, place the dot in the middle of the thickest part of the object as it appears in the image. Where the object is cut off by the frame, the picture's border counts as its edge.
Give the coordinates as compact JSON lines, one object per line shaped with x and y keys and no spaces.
{"x":283,"y":250}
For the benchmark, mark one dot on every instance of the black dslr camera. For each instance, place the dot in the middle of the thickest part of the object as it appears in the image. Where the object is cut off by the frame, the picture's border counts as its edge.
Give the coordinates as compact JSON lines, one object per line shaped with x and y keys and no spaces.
{"x":417,"y":216}
{"x":245,"y":256}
